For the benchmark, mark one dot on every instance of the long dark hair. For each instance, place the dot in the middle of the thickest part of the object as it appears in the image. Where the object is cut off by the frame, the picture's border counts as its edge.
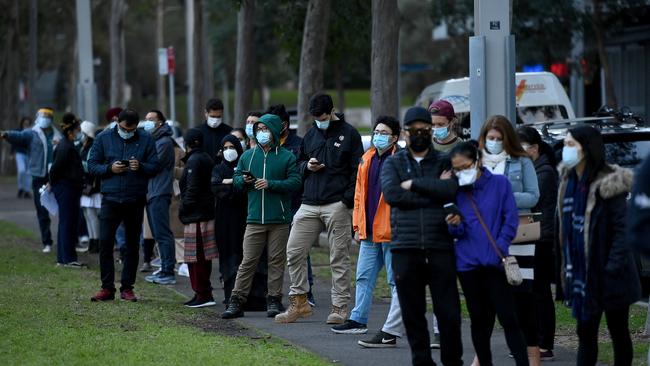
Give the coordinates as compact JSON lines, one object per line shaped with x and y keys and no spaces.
{"x":531,"y":136}
{"x":593,"y":149}
{"x":511,"y":143}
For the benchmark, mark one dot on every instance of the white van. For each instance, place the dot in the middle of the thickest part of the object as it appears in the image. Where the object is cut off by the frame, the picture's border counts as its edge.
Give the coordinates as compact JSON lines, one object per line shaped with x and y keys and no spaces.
{"x":540,"y":97}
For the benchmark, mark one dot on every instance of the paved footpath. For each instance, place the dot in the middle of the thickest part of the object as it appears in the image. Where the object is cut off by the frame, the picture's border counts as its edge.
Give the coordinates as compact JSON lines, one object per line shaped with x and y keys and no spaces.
{"x":311,"y":334}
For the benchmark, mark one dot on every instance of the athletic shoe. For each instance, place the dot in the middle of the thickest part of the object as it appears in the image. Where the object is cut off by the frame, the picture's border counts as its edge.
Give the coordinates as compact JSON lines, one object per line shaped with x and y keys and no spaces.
{"x":128,"y":295}
{"x":165,"y":280}
{"x":183,"y":270}
{"x":350,"y":327}
{"x":146,"y":267}
{"x":201,"y":303}
{"x":156,"y":263}
{"x":80,"y":248}
{"x":75,"y":264}
{"x":190,"y":300}
{"x":546,"y":355}
{"x":103,"y":295}
{"x":47,"y":249}
{"x":380,"y":340}
{"x":435,"y":343}
{"x":152,"y":278}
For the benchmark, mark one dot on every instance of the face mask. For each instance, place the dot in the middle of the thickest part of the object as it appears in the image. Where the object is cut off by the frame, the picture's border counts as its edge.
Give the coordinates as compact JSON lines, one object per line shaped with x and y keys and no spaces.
{"x":249,"y":130}
{"x":148,"y":125}
{"x":322,"y":125}
{"x":381,"y":142}
{"x":43,"y":122}
{"x":440,"y":133}
{"x":419,"y":143}
{"x":570,"y":156}
{"x":125,"y":135}
{"x":494,"y":147}
{"x":230,"y":155}
{"x":214,"y":122}
{"x":467,"y":177}
{"x":243,"y":144}
{"x":263,"y":137}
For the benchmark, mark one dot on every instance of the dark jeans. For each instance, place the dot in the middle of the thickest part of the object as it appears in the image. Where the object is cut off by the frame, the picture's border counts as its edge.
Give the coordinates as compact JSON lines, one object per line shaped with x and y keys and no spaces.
{"x":147,"y":249}
{"x":68,"y":198}
{"x":544,"y":266}
{"x":488,"y":294}
{"x":617,"y":323}
{"x":200,"y":270}
{"x":158,"y":215}
{"x":112,"y":214}
{"x":414,"y":271}
{"x":527,"y":317}
{"x":41,"y":212}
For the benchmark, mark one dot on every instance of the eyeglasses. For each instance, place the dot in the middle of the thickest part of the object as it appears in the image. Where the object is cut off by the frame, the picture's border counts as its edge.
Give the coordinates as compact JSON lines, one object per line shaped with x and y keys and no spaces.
{"x":419,"y":131}
{"x":262,"y":128}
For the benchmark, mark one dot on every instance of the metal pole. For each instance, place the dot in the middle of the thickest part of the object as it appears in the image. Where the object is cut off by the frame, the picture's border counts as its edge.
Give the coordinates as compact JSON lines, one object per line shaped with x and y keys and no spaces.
{"x":189,"y":39}
{"x":577,"y":82}
{"x":172,"y":98}
{"x":86,"y":88}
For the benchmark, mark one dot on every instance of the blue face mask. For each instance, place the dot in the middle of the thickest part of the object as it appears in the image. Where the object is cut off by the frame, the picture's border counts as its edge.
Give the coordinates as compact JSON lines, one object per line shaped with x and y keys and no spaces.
{"x":570,"y":156}
{"x":494,"y":147}
{"x":381,"y":142}
{"x":263,"y":137}
{"x":148,"y":125}
{"x":441,"y":133}
{"x":249,"y":130}
{"x":43,"y":122}
{"x":125,"y":135}
{"x":322,"y":125}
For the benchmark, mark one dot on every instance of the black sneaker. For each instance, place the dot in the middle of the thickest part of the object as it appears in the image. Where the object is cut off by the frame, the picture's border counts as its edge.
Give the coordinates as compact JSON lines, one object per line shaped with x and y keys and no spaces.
{"x":435,"y":342}
{"x":190,"y":301}
{"x":273,"y":306}
{"x":350,"y":327}
{"x":380,"y":340}
{"x":546,"y":355}
{"x":201,"y":303}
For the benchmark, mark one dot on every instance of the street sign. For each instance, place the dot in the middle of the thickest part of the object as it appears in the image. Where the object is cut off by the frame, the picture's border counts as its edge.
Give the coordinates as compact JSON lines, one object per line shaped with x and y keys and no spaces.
{"x":171,"y":60}
{"x":163,"y":63}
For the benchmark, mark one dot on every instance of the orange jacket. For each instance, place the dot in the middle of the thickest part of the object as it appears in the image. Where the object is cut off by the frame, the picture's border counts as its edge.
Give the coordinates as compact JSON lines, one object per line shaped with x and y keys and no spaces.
{"x":381,"y":226}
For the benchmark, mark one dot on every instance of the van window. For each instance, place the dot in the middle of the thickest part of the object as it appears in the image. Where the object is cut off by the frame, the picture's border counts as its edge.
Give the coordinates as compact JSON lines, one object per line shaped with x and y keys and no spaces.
{"x":525,"y":115}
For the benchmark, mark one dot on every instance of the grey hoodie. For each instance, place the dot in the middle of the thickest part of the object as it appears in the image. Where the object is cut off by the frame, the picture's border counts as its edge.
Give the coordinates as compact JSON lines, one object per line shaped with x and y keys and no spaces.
{"x":161,"y":183}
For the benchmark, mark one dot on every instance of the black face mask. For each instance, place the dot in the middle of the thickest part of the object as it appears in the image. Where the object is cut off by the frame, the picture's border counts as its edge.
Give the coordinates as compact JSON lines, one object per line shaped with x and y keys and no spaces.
{"x":420,"y":142}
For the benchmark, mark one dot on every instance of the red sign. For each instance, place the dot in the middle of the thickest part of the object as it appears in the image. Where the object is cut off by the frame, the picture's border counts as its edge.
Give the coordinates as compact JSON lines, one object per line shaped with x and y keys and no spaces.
{"x":171,"y":60}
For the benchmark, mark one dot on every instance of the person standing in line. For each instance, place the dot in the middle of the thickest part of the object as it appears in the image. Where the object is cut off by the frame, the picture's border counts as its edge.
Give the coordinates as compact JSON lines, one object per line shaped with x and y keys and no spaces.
{"x":124,"y":158}
{"x":242,"y":137}
{"x":91,"y":199}
{"x":159,"y":197}
{"x":66,"y":182}
{"x":330,"y":153}
{"x":213,"y":129}
{"x":416,"y":184}
{"x":599,"y":272}
{"x":251,"y":119}
{"x":545,"y":166}
{"x":371,"y":223}
{"x":21,"y":154}
{"x":502,"y":154}
{"x":443,"y":119}
{"x":484,"y":227}
{"x":40,"y":141}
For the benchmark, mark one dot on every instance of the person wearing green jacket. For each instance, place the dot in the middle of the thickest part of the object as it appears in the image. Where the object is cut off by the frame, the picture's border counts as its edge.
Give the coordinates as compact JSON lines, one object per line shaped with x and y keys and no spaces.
{"x":269,"y":174}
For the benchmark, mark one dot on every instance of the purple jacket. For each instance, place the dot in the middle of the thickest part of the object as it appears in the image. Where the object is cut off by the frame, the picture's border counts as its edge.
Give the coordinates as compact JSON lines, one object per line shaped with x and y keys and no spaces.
{"x":496,"y":202}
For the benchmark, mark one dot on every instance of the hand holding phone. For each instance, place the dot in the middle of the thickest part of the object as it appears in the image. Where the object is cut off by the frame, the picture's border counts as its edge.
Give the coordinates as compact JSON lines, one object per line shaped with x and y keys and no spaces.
{"x":453,"y":214}
{"x":248,"y":176}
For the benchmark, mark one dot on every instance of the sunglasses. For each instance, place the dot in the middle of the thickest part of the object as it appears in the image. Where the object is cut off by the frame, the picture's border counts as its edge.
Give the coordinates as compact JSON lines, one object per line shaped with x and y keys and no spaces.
{"x":418,"y":131}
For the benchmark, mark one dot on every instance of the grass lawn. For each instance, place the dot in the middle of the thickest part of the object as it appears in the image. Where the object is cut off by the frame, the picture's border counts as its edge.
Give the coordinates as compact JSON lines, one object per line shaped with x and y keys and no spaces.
{"x":46,"y":317}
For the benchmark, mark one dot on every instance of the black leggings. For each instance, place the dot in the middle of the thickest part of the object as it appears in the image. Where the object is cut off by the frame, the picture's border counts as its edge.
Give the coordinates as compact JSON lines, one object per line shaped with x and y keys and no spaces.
{"x":617,"y":323}
{"x":525,"y":308}
{"x":488,"y":294}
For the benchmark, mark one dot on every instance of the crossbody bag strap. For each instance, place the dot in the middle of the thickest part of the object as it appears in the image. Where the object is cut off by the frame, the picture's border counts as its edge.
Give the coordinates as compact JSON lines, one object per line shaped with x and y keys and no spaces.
{"x":485,"y":228}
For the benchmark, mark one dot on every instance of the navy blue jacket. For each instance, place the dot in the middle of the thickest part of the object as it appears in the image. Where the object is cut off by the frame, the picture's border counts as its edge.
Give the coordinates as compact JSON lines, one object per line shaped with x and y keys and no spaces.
{"x":108,"y":148}
{"x":161,"y":184}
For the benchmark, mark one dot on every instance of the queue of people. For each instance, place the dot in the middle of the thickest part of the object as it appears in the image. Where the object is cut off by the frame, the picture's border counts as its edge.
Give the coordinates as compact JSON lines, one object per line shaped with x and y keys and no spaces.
{"x":437,"y":211}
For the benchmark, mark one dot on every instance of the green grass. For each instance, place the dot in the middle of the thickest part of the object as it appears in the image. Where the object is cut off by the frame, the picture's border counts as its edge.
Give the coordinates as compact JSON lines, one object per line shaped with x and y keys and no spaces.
{"x":46,"y":318}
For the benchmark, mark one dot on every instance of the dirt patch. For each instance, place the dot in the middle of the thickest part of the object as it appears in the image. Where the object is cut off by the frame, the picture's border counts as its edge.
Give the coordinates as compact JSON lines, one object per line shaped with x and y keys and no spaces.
{"x":211,"y":323}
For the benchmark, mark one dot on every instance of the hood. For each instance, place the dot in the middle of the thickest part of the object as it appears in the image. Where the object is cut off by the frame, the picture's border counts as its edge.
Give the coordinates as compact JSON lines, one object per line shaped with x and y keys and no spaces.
{"x":162,"y":131}
{"x":611,"y":181}
{"x":235,"y":141}
{"x":274,"y":123}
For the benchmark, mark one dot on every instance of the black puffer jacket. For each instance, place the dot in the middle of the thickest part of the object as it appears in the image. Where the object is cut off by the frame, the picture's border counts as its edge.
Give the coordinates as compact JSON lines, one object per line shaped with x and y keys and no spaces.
{"x":417,"y":216}
{"x":340,"y":149}
{"x":548,"y":180}
{"x":197,"y":201}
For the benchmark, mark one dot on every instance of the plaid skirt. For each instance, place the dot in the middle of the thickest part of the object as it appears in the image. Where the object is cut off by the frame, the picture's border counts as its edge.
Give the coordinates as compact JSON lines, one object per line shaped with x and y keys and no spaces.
{"x":206,"y":231}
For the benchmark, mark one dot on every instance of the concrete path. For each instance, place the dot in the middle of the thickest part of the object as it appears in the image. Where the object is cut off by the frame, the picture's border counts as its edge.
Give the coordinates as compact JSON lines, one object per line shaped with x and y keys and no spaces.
{"x":312,"y":334}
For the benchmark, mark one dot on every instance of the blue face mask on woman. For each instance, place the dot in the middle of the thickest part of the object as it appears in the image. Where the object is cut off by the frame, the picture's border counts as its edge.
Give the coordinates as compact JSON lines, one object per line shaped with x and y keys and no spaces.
{"x":570,"y":156}
{"x":494,"y":147}
{"x":263,"y":137}
{"x":381,"y":142}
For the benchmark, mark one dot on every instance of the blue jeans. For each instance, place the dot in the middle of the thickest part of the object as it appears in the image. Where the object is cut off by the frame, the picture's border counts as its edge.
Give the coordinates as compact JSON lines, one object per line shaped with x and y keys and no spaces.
{"x":68,"y":198}
{"x":22,"y":168}
{"x":158,"y":215}
{"x":120,"y":237}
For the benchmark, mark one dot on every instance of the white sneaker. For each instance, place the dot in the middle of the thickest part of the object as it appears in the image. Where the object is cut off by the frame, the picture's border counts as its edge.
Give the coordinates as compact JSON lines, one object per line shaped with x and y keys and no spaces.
{"x":47,"y":249}
{"x":183,"y":270}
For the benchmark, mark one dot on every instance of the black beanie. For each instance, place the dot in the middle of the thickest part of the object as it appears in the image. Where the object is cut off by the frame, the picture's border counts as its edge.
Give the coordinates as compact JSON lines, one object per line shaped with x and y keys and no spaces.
{"x":193,"y":138}
{"x":417,"y":114}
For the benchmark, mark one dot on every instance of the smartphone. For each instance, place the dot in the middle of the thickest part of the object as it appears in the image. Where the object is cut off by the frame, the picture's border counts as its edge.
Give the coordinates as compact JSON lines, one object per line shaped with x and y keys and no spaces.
{"x":124,"y":162}
{"x":452,"y":209}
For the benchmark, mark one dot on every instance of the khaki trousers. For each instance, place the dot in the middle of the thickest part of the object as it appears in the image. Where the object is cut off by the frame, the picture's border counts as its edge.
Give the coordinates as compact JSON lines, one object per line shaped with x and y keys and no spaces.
{"x":255,"y":239}
{"x":307,"y":225}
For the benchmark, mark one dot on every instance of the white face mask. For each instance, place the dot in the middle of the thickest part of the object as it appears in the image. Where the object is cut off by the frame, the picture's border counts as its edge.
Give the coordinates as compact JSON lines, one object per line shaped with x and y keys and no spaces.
{"x":214,"y":122}
{"x":467,"y":177}
{"x":230,"y":155}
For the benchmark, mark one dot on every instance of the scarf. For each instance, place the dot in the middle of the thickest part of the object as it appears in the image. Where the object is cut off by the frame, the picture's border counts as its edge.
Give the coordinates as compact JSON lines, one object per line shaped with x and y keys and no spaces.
{"x":496,"y":163}
{"x":573,"y":221}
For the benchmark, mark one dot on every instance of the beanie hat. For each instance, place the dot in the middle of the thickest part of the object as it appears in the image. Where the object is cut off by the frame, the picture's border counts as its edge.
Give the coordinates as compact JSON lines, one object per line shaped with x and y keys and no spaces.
{"x":442,"y":108}
{"x":112,"y":113}
{"x":89,"y":129}
{"x":193,"y":138}
{"x":417,"y":114}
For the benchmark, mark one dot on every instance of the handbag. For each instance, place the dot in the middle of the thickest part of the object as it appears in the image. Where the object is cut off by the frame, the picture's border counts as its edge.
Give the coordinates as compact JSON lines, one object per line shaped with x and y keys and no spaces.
{"x":513,"y":274}
{"x":528,"y":229}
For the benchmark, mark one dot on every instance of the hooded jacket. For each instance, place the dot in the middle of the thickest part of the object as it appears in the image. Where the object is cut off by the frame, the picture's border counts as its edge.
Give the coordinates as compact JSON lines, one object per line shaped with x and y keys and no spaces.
{"x":161,"y":183}
{"x":197,"y":201}
{"x":278,"y":166}
{"x":36,"y":142}
{"x":340,"y":149}
{"x":612,"y":280}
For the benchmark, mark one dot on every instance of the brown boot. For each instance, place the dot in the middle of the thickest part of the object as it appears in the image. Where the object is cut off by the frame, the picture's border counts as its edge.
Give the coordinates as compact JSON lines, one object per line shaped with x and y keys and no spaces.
{"x":338,"y":315}
{"x":534,"y":356}
{"x":298,"y":308}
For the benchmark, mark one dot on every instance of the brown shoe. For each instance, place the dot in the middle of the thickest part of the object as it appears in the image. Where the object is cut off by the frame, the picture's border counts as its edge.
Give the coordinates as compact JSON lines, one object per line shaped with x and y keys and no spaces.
{"x":103,"y":295}
{"x":298,"y":308}
{"x":338,"y":315}
{"x":128,"y":295}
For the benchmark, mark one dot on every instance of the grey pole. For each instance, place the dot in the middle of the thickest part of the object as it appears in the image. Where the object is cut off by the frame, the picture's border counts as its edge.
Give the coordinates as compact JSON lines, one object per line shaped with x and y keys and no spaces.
{"x":86,"y":87}
{"x":577,"y":82}
{"x":189,"y":39}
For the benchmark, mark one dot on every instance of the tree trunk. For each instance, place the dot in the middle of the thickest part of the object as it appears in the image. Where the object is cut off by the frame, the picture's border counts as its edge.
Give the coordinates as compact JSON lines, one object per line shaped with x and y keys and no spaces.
{"x":312,"y":58}
{"x":384,"y":68}
{"x":203,"y":76}
{"x":244,"y":69}
{"x":161,"y":101}
{"x":340,"y":88}
{"x":116,"y":44}
{"x":32,"y":71}
{"x":9,"y":69}
{"x":597,"y":26}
